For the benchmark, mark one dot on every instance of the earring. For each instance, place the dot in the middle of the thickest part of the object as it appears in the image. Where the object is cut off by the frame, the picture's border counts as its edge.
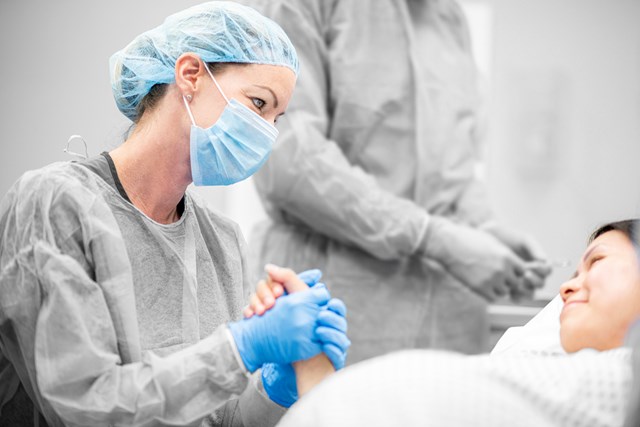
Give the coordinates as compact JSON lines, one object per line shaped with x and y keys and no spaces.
{"x":189,"y":98}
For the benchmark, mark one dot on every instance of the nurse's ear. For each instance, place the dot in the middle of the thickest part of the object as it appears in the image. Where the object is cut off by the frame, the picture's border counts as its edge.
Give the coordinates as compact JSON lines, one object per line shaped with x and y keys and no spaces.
{"x":190,"y":73}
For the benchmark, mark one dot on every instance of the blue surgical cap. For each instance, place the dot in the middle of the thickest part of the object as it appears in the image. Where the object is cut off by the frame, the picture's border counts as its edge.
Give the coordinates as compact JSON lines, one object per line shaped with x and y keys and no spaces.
{"x":217,"y":31}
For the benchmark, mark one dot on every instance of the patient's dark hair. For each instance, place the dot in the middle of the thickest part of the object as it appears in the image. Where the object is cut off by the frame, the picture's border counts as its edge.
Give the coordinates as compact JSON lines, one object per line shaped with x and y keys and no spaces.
{"x":627,"y":226}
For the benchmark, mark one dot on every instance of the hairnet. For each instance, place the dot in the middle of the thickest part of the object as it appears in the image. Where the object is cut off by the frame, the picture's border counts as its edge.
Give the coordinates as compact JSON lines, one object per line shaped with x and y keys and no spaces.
{"x":217,"y":31}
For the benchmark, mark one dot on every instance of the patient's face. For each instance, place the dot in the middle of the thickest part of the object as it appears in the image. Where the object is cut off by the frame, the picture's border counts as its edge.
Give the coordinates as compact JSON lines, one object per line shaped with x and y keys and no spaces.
{"x":603,"y":298}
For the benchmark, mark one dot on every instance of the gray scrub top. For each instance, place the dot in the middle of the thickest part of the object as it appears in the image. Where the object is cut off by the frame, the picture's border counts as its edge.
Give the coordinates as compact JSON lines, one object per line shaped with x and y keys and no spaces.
{"x":107,"y":317}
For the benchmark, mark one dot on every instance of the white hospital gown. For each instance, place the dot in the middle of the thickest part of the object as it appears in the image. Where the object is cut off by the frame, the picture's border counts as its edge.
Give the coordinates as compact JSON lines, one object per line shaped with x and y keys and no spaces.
{"x":430,"y":388}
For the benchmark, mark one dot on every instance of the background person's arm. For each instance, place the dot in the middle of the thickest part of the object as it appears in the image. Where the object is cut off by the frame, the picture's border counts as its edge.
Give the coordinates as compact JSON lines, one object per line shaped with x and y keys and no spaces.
{"x":308,"y":177}
{"x":310,"y":180}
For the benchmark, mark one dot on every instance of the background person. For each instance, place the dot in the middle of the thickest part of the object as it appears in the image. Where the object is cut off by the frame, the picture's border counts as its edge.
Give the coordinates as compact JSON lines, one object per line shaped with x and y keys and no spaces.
{"x":373,"y":178}
{"x":118,"y":286}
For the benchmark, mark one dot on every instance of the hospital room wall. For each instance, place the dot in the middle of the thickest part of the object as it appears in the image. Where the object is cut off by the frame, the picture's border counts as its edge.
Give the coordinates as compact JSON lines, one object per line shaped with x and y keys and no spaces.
{"x":564,"y":134}
{"x":54,"y":77}
{"x":564,"y":118}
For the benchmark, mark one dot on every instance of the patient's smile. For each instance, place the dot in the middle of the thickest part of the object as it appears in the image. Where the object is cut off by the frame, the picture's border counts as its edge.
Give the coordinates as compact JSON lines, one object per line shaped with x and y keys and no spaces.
{"x":569,"y":306}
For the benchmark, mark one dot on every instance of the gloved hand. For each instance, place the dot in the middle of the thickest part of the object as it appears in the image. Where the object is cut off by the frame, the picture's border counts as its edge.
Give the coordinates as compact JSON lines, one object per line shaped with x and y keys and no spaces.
{"x":284,"y":334}
{"x":537,"y":267}
{"x":266,"y":294}
{"x":279,"y":380}
{"x":474,"y":257}
{"x":310,"y":277}
{"x":331,"y":330}
{"x":522,"y":244}
{"x":332,"y":323}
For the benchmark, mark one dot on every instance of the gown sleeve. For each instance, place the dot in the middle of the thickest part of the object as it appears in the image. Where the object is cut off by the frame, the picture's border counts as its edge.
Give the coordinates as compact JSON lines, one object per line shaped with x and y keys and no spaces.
{"x":308,"y":177}
{"x":253,"y":408}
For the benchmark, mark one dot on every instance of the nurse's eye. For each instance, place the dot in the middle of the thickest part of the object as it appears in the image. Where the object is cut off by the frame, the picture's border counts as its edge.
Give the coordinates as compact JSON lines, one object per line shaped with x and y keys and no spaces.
{"x":259,"y":103}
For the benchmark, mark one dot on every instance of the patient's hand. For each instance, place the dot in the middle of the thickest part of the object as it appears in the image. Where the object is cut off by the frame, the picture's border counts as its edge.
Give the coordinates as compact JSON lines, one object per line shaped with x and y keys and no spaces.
{"x":264,"y":298}
{"x":267,"y":291}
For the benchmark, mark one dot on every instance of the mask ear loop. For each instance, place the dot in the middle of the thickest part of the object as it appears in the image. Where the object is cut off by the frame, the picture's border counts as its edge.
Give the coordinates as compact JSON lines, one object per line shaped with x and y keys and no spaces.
{"x":86,"y":151}
{"x":186,"y":104}
{"x":215,"y":82}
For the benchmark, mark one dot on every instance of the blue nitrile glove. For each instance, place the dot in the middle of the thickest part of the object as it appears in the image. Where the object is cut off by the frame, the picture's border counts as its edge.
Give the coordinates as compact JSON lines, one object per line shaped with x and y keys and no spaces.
{"x":279,"y":380}
{"x":310,"y":277}
{"x":331,"y":330}
{"x":284,"y":334}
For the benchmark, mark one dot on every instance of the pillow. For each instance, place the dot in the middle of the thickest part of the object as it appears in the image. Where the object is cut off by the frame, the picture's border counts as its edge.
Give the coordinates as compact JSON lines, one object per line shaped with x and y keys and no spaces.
{"x":540,"y":335}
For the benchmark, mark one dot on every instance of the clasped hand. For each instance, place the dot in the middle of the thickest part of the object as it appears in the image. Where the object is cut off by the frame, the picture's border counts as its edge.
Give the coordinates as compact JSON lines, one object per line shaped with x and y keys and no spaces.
{"x":299,"y":326}
{"x":302,"y":323}
{"x":493,"y":261}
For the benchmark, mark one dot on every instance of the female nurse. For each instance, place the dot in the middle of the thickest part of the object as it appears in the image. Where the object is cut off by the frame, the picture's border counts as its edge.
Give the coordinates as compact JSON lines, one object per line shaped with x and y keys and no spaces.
{"x":118,"y":286}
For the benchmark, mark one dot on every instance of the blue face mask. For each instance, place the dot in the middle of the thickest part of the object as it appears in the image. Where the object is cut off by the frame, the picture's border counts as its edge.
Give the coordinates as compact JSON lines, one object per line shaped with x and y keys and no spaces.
{"x":234,"y":148}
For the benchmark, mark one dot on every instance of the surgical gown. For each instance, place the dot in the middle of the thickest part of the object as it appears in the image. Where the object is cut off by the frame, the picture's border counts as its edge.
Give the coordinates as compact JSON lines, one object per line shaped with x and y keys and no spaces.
{"x":381,"y":132}
{"x":109,"y":318}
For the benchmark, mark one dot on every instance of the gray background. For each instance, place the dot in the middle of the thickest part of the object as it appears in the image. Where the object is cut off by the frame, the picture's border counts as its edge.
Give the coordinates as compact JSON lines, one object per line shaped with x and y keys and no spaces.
{"x":562,"y":78}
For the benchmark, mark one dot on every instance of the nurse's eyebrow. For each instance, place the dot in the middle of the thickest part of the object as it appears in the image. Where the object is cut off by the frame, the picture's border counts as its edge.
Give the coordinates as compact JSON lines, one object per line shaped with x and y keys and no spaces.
{"x":275,"y":98}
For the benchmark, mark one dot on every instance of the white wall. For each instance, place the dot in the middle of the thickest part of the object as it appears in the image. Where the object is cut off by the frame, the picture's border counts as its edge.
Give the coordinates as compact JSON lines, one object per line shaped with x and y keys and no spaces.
{"x":564,"y":131}
{"x":564,"y":136}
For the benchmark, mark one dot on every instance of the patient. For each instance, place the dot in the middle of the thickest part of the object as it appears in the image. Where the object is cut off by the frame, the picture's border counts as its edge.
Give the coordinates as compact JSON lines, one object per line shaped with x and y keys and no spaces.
{"x":602,"y":298}
{"x":589,"y":385}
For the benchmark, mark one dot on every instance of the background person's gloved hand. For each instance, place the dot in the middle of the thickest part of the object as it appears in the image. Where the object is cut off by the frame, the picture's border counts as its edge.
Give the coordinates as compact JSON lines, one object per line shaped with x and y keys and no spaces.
{"x":284,"y":334}
{"x":477,"y":259}
{"x":537,"y":266}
